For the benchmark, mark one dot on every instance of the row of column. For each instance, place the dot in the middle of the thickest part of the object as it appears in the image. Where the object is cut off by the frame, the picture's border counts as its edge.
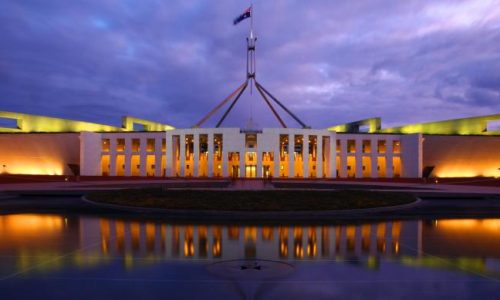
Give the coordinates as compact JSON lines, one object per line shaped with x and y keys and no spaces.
{"x":358,"y":155}
{"x":143,"y":153}
{"x":174,"y":141}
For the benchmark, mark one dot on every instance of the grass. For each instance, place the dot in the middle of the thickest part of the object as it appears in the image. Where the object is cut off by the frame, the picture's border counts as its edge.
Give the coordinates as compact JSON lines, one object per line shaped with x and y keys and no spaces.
{"x":269,"y":200}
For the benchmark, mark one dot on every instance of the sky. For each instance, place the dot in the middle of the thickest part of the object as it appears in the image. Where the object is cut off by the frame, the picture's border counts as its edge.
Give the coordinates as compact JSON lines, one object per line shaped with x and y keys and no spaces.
{"x":330,"y":62}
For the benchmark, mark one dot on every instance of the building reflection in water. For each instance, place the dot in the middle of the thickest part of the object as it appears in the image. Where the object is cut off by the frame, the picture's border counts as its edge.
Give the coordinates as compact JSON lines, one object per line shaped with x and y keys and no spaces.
{"x":40,"y":237}
{"x":235,"y":242}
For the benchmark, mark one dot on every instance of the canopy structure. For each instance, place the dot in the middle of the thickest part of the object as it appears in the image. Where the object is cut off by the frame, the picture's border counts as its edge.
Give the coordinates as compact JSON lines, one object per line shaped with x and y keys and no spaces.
{"x":252,"y":81}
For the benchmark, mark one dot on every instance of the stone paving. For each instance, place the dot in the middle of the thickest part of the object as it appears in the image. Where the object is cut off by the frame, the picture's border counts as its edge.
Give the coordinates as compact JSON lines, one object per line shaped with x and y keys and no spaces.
{"x":241,"y":184}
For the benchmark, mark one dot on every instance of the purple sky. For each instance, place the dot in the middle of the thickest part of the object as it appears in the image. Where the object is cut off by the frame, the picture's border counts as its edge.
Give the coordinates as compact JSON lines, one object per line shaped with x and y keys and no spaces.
{"x":329,"y":61}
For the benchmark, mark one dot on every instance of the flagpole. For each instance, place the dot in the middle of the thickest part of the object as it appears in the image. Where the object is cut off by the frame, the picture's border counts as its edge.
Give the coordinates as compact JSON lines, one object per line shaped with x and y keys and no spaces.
{"x":251,"y":17}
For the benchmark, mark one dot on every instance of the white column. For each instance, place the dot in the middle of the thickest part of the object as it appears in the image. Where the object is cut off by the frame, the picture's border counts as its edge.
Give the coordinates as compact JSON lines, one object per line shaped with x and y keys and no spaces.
{"x":169,"y":154}
{"x":242,"y":163}
{"x":291,"y":158}
{"x":182,"y":152}
{"x":359,"y":157}
{"x":142,"y":157}
{"x":374,"y":157}
{"x":332,"y":153}
{"x":112,"y":156}
{"x":210,"y":158}
{"x":259,"y":163}
{"x":319,"y":156}
{"x":276,"y":157}
{"x":343,"y":158}
{"x":196,"y":156}
{"x":158,"y":155}
{"x":225,"y":171}
{"x":128,"y":157}
{"x":388,"y":158}
{"x":305,"y":156}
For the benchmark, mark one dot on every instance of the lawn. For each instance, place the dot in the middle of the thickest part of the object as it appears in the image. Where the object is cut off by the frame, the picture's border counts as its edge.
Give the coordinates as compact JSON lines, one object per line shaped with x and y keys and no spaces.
{"x":267,"y":200}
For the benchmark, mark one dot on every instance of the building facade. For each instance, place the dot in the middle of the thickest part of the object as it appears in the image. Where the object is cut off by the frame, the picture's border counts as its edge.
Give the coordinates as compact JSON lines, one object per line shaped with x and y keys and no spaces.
{"x":159,"y":150}
{"x":267,"y":153}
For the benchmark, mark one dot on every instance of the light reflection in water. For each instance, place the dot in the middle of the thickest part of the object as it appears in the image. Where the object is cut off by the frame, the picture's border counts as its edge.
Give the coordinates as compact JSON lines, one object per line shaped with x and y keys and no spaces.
{"x":37,"y":238}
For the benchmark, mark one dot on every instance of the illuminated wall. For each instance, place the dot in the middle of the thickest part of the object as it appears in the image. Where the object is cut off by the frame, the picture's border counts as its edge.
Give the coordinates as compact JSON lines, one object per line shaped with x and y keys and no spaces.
{"x":34,"y":123}
{"x":462,"y":156}
{"x":465,"y":126}
{"x":39,"y":153}
{"x":372,"y":124}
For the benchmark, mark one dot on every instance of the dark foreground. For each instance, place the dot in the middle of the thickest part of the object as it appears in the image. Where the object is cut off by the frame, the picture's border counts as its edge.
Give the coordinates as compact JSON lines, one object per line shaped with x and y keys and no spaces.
{"x":262,"y":200}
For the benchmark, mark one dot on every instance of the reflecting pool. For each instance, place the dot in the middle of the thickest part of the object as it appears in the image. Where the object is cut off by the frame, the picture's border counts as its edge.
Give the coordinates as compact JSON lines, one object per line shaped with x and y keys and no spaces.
{"x":80,"y":257}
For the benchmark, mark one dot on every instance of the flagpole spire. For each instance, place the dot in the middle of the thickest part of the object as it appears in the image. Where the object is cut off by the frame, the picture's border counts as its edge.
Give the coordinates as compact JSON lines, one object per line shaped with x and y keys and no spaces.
{"x":251,"y":18}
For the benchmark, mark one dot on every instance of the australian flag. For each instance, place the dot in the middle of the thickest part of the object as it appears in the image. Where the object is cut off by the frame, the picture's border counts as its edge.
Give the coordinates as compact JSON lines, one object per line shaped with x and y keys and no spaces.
{"x":246,"y":14}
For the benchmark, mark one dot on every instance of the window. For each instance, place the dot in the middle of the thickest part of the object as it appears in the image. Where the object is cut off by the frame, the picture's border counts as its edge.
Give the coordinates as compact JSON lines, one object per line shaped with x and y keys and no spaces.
{"x":366,"y":148}
{"x":150,"y":145}
{"x":136,"y":143}
{"x":351,"y":146}
{"x":105,"y":145}
{"x":120,"y":145}
{"x":381,"y":146}
{"x":396,"y":146}
{"x":250,"y":141}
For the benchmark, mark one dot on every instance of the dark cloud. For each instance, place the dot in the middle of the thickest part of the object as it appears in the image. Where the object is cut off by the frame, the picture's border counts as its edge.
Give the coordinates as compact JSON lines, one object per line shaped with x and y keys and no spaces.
{"x":172,"y":61}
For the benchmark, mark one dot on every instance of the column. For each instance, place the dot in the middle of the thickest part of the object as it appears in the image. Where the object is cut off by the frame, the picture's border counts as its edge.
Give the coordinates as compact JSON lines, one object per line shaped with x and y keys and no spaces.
{"x":359,"y":157}
{"x":143,"y":154}
{"x":225,"y":171}
{"x":112,"y":156}
{"x":388,"y":158}
{"x":182,"y":156}
{"x":242,"y":162}
{"x":276,"y":157}
{"x":343,"y":158}
{"x":259,"y":163}
{"x":332,"y":154}
{"x":196,"y":156}
{"x":169,"y":153}
{"x":291,"y":158}
{"x":211,"y":151}
{"x":319,"y":156}
{"x":158,"y":157}
{"x":374,"y":158}
{"x":305,"y":156}
{"x":128,"y":156}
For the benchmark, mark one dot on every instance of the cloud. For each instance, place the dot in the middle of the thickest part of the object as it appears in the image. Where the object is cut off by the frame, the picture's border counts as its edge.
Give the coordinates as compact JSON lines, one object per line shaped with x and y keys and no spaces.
{"x":330,"y":62}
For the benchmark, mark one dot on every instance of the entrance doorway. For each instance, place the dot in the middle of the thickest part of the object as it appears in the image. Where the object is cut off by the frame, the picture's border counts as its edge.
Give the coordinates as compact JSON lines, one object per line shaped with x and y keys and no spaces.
{"x":235,"y":172}
{"x":250,"y":171}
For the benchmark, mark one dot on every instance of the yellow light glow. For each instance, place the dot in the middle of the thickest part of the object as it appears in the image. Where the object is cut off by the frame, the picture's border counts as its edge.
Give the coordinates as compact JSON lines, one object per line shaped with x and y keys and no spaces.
{"x":29,"y":224}
{"x":469,"y":224}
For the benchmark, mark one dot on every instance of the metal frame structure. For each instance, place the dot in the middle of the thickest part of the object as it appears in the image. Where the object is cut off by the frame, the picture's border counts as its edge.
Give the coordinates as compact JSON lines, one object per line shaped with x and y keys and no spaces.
{"x":250,"y":80}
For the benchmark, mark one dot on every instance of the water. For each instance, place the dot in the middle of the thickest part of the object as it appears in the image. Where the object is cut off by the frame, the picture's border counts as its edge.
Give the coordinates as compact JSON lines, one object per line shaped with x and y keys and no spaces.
{"x":79,"y":257}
